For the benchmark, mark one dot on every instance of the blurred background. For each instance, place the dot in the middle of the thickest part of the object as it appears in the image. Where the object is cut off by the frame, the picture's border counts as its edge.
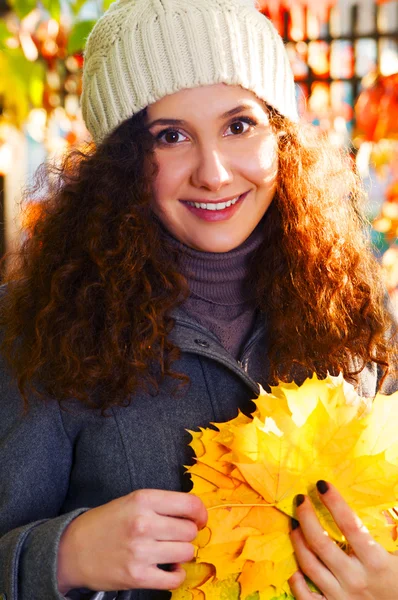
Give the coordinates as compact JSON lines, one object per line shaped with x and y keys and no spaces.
{"x":344,"y":55}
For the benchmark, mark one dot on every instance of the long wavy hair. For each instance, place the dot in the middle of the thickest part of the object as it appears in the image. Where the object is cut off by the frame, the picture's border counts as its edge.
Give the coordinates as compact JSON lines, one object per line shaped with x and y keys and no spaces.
{"x":86,"y":309}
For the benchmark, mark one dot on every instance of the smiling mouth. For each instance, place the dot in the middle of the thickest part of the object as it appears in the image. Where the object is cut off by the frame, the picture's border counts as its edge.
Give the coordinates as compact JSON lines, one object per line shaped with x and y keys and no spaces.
{"x":215,"y":205}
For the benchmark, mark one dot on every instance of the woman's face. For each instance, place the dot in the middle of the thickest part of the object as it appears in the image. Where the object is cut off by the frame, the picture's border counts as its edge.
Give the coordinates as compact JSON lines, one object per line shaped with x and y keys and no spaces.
{"x":214,"y":145}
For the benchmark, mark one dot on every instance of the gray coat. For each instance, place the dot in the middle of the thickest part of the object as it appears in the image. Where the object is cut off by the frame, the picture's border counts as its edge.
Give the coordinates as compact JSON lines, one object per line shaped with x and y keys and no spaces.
{"x":54,"y":465}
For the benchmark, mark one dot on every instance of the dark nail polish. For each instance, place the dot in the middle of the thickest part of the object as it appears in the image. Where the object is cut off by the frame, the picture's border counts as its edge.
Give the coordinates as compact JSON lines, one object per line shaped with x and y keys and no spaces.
{"x":322,"y":486}
{"x":299,"y":499}
{"x":294,"y":524}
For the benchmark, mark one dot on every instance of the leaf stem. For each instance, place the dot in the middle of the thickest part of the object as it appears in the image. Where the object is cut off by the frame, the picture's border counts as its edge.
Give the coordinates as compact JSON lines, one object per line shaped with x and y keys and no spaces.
{"x":239,"y":505}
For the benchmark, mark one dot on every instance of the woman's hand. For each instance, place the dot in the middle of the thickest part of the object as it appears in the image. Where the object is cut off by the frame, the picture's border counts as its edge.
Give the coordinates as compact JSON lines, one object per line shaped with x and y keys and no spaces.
{"x":369,"y":572}
{"x":118,"y":546}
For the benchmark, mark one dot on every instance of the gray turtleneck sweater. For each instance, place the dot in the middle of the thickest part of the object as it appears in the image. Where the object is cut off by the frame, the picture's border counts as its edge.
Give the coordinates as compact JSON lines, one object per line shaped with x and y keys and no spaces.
{"x":220,"y":298}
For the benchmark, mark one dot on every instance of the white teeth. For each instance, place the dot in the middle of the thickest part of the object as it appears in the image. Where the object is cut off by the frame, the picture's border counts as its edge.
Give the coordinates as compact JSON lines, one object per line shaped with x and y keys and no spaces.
{"x":214,"y":206}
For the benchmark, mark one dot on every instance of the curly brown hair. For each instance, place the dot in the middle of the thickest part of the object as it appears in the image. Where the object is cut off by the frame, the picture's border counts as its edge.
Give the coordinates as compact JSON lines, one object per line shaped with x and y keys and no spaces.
{"x":89,"y":291}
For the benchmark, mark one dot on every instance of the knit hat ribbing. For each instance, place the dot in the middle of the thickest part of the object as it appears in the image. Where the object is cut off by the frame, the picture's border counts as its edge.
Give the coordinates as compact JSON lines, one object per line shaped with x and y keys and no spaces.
{"x":142,"y":50}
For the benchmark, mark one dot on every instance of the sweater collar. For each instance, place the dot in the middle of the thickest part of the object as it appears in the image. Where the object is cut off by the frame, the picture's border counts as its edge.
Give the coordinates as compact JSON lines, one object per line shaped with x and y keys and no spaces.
{"x":219,"y":277}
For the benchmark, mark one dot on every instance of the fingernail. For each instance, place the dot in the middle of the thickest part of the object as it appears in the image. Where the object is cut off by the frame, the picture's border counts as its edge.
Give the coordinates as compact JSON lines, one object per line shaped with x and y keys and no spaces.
{"x":294,"y":524}
{"x":299,"y":499}
{"x":322,"y":486}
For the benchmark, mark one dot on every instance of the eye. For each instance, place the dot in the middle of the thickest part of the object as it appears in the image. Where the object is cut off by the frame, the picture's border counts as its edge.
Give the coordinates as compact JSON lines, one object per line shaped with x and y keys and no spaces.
{"x":242,"y":125}
{"x":170,"y":137}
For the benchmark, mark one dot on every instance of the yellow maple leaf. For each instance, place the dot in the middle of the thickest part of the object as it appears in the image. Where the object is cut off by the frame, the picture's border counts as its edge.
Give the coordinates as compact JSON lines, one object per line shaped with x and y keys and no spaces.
{"x":227,"y":589}
{"x":227,"y":539}
{"x":197,"y":575}
{"x":255,"y":573}
{"x":250,"y":470}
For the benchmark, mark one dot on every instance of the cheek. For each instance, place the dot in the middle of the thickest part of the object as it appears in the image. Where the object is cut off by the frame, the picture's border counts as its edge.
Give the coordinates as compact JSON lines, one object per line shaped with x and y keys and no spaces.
{"x":171,"y":174}
{"x":262,"y":167}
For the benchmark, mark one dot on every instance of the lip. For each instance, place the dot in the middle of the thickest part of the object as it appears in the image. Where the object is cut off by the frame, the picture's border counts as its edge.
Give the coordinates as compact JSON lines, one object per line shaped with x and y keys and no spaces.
{"x":217,"y":215}
{"x":219,"y":201}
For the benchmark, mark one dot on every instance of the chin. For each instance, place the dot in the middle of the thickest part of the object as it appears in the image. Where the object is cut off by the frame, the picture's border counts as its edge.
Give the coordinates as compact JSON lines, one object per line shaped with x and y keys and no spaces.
{"x":217,"y":246}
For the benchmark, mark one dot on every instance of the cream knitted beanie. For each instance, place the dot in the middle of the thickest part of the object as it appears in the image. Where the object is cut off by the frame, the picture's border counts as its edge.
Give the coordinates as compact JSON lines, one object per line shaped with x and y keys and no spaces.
{"x":142,"y":50}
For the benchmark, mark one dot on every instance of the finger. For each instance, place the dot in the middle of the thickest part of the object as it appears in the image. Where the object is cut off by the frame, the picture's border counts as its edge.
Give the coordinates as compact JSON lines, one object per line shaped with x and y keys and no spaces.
{"x":160,"y":528}
{"x":313,"y":567}
{"x":363,"y":545}
{"x":300,"y":589}
{"x":318,"y":540}
{"x":175,"y":530}
{"x":169,"y":552}
{"x":153,"y":578}
{"x":173,"y":504}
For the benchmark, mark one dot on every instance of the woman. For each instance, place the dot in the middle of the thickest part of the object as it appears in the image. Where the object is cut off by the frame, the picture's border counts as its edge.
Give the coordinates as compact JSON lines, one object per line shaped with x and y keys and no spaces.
{"x":206,"y":243}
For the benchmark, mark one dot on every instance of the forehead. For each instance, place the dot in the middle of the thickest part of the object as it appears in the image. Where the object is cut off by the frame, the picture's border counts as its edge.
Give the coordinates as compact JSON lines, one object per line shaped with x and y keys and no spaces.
{"x":209,"y":101}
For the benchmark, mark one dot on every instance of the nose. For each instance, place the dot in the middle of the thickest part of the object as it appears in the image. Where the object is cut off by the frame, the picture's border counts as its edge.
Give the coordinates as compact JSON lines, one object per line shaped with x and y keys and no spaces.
{"x":211,"y":170}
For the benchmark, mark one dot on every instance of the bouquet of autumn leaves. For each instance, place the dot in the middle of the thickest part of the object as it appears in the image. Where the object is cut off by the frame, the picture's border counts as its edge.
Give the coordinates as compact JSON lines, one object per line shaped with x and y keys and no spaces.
{"x":249,"y":470}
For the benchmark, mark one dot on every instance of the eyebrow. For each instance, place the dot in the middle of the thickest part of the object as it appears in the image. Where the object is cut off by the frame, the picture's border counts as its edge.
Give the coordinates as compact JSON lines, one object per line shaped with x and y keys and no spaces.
{"x":230,"y":113}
